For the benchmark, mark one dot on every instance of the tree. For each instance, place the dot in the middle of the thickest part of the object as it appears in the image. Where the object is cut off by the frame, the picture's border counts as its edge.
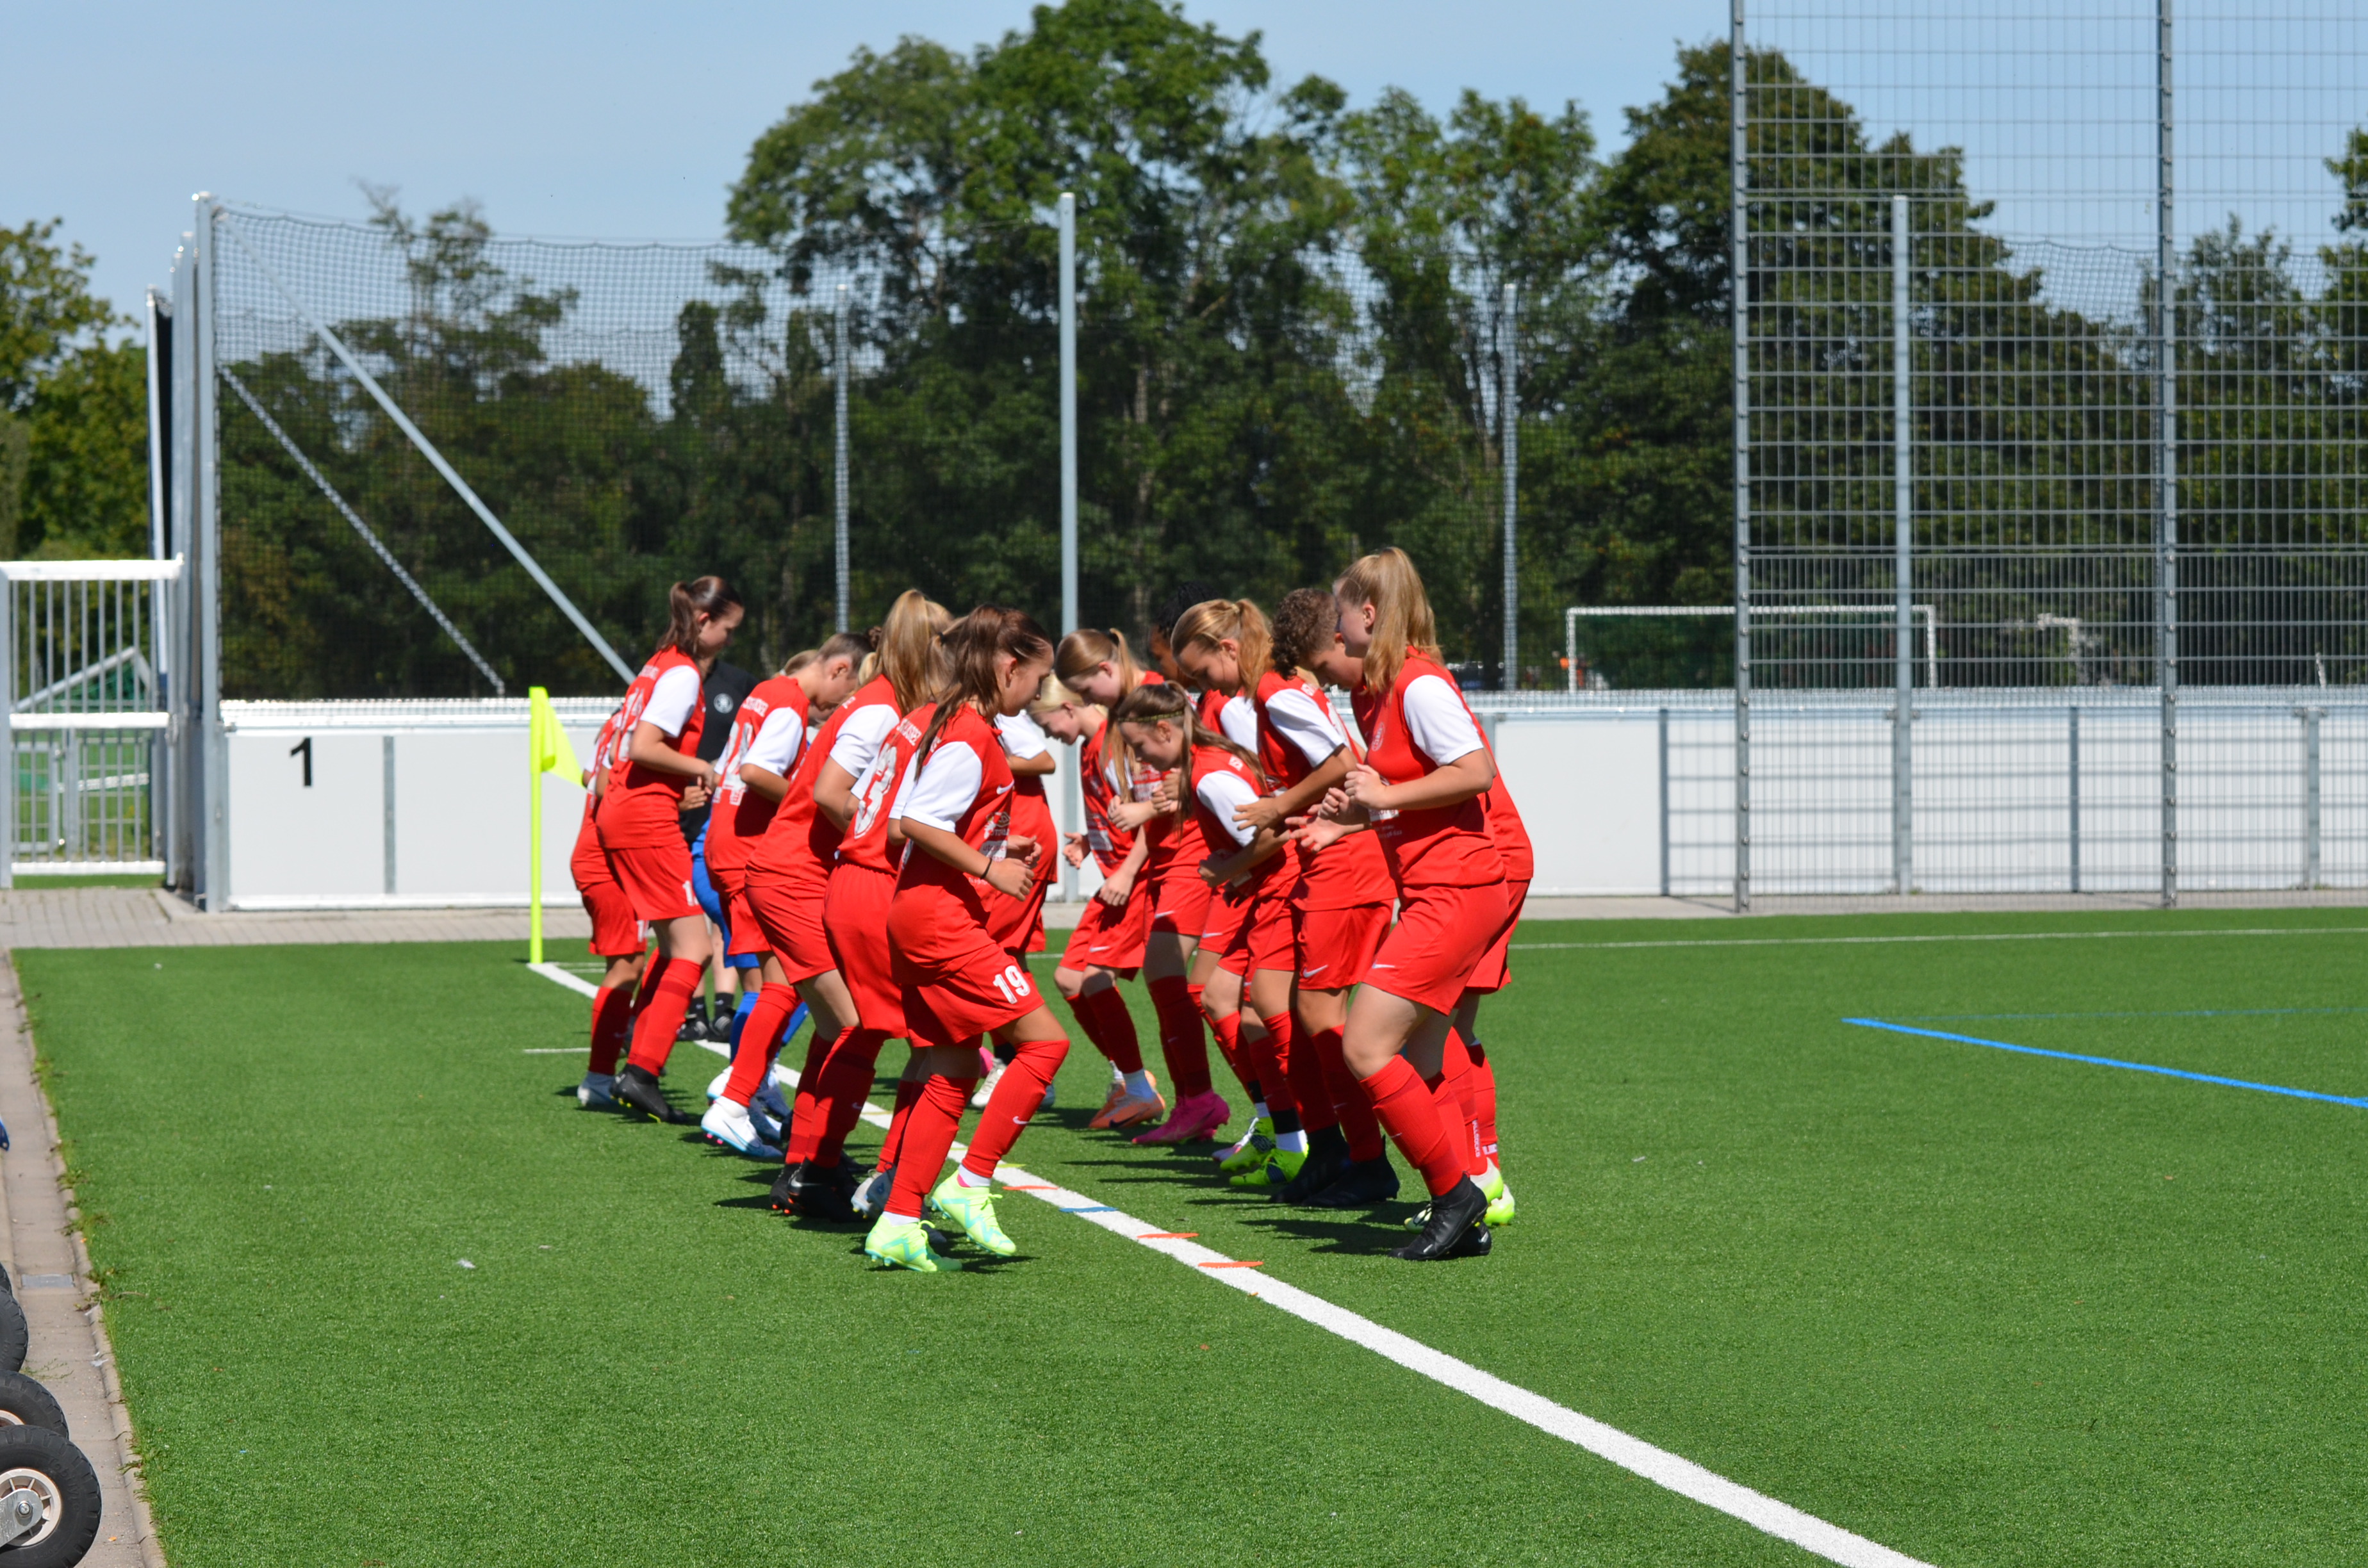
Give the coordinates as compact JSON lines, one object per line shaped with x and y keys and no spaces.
{"x":74,"y":449}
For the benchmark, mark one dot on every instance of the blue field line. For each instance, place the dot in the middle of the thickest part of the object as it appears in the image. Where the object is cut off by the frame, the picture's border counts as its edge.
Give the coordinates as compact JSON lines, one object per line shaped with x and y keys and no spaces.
{"x":2183,"y":1013}
{"x":2109,"y":1061}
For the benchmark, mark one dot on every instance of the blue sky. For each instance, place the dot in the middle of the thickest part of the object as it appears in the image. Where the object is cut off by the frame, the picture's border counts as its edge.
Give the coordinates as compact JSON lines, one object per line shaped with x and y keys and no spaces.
{"x":614,"y":119}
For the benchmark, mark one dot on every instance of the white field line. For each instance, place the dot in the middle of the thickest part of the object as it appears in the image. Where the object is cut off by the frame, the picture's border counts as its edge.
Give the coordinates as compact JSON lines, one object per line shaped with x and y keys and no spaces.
{"x":1662,"y":1468}
{"x":1939,"y":937}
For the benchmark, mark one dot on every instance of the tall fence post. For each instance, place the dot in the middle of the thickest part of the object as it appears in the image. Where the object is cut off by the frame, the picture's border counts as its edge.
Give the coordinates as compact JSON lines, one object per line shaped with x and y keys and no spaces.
{"x":2310,"y":716}
{"x":1508,"y":414}
{"x":2072,"y":787}
{"x":7,"y":726}
{"x":213,"y":808}
{"x":838,"y":456}
{"x":2165,"y":373}
{"x":1739,"y":180}
{"x":1903,"y":501}
{"x":1072,"y":788}
{"x":1664,"y":802}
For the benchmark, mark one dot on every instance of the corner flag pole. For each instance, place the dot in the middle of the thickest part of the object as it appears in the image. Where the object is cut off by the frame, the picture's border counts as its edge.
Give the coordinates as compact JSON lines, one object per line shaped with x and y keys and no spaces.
{"x":535,"y":698}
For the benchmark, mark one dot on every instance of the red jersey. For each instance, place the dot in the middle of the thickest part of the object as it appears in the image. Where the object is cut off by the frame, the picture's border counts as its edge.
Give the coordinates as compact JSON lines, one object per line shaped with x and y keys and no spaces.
{"x":1098,"y":781}
{"x":1505,"y":825}
{"x":1031,"y":816}
{"x":1436,"y":846}
{"x":1173,"y":840}
{"x":1347,"y":873}
{"x":643,"y":808}
{"x":742,"y":815}
{"x":930,"y":893}
{"x":802,"y":843}
{"x":1238,"y":785}
{"x":866,"y":842}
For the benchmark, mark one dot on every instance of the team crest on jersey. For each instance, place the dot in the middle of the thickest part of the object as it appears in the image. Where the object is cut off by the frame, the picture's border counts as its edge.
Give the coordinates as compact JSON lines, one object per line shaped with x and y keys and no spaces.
{"x":723,"y":702}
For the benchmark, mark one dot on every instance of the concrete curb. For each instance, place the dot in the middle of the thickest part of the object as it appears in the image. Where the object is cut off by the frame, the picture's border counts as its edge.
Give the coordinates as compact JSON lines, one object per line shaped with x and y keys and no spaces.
{"x":55,"y":1284}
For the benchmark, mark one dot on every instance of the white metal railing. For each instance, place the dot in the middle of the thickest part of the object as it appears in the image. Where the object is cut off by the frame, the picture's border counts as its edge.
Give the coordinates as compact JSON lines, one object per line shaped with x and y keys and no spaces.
{"x":85,"y":661}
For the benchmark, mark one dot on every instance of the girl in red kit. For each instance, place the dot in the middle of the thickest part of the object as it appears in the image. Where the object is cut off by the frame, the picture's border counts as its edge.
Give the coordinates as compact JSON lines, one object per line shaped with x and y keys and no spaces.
{"x":854,"y":918}
{"x":616,"y":934}
{"x":1098,"y":666}
{"x":1107,"y":944}
{"x":768,"y":732}
{"x":1225,"y":646}
{"x":1420,"y":787}
{"x":1019,"y":928}
{"x":788,"y":877}
{"x":640,"y":826}
{"x":954,"y":813}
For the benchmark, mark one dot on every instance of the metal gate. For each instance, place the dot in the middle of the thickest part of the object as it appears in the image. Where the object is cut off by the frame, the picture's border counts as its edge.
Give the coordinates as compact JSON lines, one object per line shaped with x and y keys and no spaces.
{"x":83,"y":663}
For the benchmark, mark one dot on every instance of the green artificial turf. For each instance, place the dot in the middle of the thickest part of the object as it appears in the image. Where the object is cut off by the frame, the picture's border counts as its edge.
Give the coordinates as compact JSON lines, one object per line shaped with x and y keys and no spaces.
{"x":91,"y":880}
{"x":1982,"y":1307}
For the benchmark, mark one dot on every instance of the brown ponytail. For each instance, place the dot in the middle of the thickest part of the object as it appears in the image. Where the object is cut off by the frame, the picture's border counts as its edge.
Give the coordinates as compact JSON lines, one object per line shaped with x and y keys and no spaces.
{"x":1214,"y":621}
{"x":973,"y":647}
{"x":686,"y":602}
{"x":1152,"y":704}
{"x":1305,"y":621}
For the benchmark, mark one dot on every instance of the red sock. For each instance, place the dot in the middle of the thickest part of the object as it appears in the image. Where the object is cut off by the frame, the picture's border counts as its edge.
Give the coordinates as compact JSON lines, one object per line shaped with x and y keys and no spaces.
{"x":908,"y":1095}
{"x":1180,"y":1040}
{"x":845,"y":1080}
{"x":1356,"y":1113}
{"x":1103,"y":1016}
{"x":1281,"y":1076}
{"x":612,"y":1028}
{"x":1484,"y":1098}
{"x":1452,"y":1089}
{"x":1403,"y":1103}
{"x":1266,"y":1054}
{"x":653,"y":1032}
{"x":930,"y":1131}
{"x":1302,"y":1066}
{"x":1018,"y":1094}
{"x":760,"y":1037}
{"x":809,"y":1111}
{"x":1228,"y":1030}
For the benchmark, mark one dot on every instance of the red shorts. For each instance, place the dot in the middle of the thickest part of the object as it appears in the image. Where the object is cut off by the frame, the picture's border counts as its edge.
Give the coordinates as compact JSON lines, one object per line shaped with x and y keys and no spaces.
{"x":1178,"y":900}
{"x":1111,"y":939}
{"x":656,"y":880}
{"x":855,"y":914}
{"x":615,"y":933}
{"x":1429,"y":955}
{"x":1228,"y":910}
{"x":1262,"y":940}
{"x":967,"y":987}
{"x":790,"y":914}
{"x":1336,"y":945}
{"x":1017,"y":923}
{"x":1493,"y":975}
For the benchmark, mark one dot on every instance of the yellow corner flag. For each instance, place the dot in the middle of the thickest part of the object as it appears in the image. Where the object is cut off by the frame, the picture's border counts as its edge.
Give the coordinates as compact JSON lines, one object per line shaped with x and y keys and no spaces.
{"x":547,"y":752}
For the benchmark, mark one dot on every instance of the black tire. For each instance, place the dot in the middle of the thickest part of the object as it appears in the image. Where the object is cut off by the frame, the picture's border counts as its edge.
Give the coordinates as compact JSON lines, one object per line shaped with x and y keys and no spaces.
{"x":13,"y":1335}
{"x":24,"y":1403}
{"x":35,"y":1459}
{"x":7,"y":1286}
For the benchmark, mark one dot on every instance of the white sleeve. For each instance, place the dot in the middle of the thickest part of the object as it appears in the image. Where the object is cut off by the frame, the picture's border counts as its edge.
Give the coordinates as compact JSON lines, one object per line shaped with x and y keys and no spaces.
{"x":1437,"y":721}
{"x":859,"y":737}
{"x":1223,"y":791}
{"x":779,"y":740}
{"x":1238,"y":719}
{"x":671,"y":700}
{"x":1306,"y":724}
{"x":1022,"y":736}
{"x":944,"y":789}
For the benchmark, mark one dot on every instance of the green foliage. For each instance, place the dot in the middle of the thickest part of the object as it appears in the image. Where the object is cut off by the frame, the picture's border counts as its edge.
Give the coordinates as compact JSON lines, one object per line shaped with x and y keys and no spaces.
{"x":74,"y":440}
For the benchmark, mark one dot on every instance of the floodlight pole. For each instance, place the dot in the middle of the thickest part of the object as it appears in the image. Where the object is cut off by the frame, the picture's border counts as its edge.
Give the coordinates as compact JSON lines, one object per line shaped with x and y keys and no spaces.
{"x":213,"y":750}
{"x":1509,"y":412}
{"x":1903,"y":487}
{"x":1072,"y":798}
{"x":838,"y":460}
{"x":2165,"y":373}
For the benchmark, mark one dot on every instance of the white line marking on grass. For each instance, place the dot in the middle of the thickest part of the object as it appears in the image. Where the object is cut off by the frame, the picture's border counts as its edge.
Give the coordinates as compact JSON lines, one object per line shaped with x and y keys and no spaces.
{"x":573,"y":982}
{"x":1662,"y":1468}
{"x":1956,"y":936}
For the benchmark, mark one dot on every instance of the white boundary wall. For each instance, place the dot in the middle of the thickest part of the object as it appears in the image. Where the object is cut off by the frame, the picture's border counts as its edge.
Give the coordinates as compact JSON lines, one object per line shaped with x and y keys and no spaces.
{"x":1624,"y":793}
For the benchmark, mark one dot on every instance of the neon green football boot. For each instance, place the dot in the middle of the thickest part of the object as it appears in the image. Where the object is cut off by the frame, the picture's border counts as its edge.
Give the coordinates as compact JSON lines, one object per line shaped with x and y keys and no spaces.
{"x":1276,"y":1173}
{"x":1499,"y":1196}
{"x":1251,"y":1152}
{"x":903,"y":1243}
{"x":971,"y":1208}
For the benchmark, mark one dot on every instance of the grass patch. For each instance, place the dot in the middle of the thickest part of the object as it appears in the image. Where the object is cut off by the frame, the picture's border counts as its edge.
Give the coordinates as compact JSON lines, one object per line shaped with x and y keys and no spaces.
{"x":107,"y":879}
{"x":1984,"y":1308}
